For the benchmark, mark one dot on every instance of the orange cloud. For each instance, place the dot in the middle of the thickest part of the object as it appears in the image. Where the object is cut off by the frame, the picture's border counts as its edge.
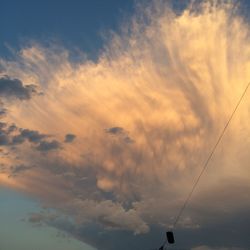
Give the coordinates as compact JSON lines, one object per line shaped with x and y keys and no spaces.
{"x":145,"y":115}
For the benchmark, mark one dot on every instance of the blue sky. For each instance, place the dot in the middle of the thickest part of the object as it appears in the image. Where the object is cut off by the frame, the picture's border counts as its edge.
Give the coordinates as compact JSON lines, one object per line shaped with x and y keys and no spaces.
{"x":73,"y":23}
{"x":16,"y":232}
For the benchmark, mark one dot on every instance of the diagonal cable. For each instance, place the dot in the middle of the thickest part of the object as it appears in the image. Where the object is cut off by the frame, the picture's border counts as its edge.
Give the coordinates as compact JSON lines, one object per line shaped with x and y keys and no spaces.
{"x":209,"y":158}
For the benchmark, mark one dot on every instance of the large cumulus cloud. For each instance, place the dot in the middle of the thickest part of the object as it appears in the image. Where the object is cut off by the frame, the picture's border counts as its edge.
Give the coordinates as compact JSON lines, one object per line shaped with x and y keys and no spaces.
{"x":145,"y":116}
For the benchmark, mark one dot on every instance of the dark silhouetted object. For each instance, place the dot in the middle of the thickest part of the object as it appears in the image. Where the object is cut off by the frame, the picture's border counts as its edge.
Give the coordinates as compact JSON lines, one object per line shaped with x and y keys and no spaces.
{"x":170,"y":237}
{"x":161,"y":248}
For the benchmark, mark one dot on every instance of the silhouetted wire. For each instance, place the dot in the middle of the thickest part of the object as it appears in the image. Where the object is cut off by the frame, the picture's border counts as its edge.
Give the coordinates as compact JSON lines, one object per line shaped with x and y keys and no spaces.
{"x":209,"y":158}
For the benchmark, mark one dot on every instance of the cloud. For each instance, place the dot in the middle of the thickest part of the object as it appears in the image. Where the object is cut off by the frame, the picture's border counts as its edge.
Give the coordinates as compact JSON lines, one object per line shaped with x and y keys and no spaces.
{"x":12,"y":135}
{"x":46,"y":146}
{"x":3,"y":112}
{"x":111,"y":215}
{"x":146,"y":115}
{"x":14,"y":88}
{"x":42,"y":217}
{"x":4,"y":140}
{"x":2,"y":125}
{"x":32,"y":136}
{"x":120,"y":132}
{"x":115,"y":130}
{"x":19,"y":169}
{"x":12,"y":128}
{"x":18,"y":139}
{"x":69,"y":138}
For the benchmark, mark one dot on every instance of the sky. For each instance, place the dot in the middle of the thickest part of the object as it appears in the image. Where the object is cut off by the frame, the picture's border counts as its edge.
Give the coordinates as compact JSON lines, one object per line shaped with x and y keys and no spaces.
{"x":108,"y":111}
{"x":17,"y":233}
{"x":77,"y":25}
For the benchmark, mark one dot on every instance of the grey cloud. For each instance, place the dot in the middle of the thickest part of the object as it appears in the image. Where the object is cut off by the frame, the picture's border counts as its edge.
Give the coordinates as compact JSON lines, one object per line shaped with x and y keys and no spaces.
{"x":36,"y":218}
{"x":18,"y":169}
{"x":219,"y":237}
{"x":18,"y":139}
{"x":45,"y":146}
{"x":4,"y":139}
{"x":99,"y":238}
{"x":120,"y":132}
{"x":115,"y":130}
{"x":42,"y":217}
{"x":109,"y":214}
{"x":69,"y":138}
{"x":32,"y":135}
{"x":15,"y":88}
{"x":12,"y":128}
{"x":3,"y":112}
{"x":2,"y":125}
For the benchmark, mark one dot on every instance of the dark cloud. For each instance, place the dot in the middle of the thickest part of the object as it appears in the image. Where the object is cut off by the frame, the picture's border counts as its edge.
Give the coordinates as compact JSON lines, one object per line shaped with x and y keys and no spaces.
{"x":18,"y":169}
{"x":45,"y":146}
{"x":3,"y":112}
{"x":115,"y":130}
{"x":32,"y":135}
{"x":4,"y":139}
{"x":12,"y":128}
{"x":15,"y":88}
{"x":69,"y":138}
{"x":227,"y":235}
{"x":99,"y":238}
{"x":17,"y":139}
{"x":2,"y":125}
{"x":120,"y":132}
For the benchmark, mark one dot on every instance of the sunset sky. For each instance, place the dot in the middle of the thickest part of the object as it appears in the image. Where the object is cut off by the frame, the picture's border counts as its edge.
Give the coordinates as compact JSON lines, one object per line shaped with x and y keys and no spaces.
{"x":108,"y":112}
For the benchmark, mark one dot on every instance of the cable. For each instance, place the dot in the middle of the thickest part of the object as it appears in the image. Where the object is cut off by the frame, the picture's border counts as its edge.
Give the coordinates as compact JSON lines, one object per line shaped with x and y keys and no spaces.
{"x":209,"y":158}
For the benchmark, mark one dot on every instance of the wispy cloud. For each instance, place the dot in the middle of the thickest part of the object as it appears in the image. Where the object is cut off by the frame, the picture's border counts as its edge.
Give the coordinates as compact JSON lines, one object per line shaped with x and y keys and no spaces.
{"x":145,"y":116}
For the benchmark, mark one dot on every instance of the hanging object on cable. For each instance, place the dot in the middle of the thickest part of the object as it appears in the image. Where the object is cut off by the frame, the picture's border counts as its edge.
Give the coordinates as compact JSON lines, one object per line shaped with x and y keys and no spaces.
{"x":170,"y":237}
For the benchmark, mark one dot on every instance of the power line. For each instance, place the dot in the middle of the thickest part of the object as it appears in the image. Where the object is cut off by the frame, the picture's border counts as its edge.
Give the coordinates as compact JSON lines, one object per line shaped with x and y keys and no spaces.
{"x":209,"y":158}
